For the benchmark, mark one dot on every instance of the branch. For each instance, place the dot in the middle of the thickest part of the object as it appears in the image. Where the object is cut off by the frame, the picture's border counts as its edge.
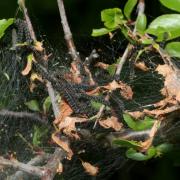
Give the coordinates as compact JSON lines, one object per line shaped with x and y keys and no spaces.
{"x":67,"y":32}
{"x":46,"y":172}
{"x":51,"y":91}
{"x":27,"y":115}
{"x":140,"y":9}
{"x":35,"y":161}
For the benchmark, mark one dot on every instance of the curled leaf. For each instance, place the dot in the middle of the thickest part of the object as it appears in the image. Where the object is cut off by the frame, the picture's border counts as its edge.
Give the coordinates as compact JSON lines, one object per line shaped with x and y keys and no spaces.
{"x":64,"y":145}
{"x":111,"y":122}
{"x":28,"y":65}
{"x":90,"y":169}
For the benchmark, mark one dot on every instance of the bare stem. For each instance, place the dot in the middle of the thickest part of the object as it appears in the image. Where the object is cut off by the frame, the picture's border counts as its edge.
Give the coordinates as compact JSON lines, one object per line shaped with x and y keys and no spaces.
{"x":67,"y":32}
{"x":140,"y":9}
{"x":25,"y":115}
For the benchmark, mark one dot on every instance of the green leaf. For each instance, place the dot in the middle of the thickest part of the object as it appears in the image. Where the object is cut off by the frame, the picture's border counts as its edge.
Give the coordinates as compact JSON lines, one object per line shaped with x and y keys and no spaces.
{"x":168,"y":23}
{"x":38,"y":134}
{"x":138,"y":156}
{"x":173,"y":49}
{"x":126,"y":143}
{"x":4,"y":24}
{"x":112,"y":18}
{"x":97,"y":105}
{"x":138,"y":125}
{"x":46,"y":104}
{"x":141,"y":23}
{"x":164,"y":148}
{"x":101,"y":31}
{"x":33,"y":105}
{"x":172,"y":4}
{"x":129,"y":6}
{"x":111,"y":69}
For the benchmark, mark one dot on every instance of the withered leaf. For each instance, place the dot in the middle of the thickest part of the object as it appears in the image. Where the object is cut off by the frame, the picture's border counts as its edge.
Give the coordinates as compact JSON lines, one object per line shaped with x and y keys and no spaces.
{"x":64,"y":145}
{"x":65,"y":111}
{"x":90,"y":169}
{"x":111,"y":122}
{"x":68,"y":126}
{"x":141,"y":66}
{"x":28,"y":65}
{"x":172,"y":80}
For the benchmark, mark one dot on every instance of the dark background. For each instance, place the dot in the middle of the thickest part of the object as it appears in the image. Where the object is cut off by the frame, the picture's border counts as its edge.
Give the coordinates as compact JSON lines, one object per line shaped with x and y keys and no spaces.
{"x":83,"y":16}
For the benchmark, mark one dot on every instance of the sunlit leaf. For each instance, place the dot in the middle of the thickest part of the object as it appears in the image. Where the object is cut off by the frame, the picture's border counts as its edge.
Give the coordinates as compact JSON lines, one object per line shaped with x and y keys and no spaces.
{"x":173,"y":49}
{"x":127,"y":143}
{"x":138,"y":125}
{"x":141,"y":23}
{"x":165,"y":24}
{"x":112,"y":18}
{"x":172,"y":4}
{"x":4,"y":24}
{"x":101,"y":31}
{"x":138,"y":156}
{"x":33,"y":105}
{"x":128,"y":8}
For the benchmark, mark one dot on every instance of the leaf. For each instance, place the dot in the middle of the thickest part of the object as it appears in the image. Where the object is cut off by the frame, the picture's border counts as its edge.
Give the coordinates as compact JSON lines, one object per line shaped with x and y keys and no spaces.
{"x":112,"y":18}
{"x":63,"y":144}
{"x":28,"y":66}
{"x":4,"y":24}
{"x":171,"y":4}
{"x":138,"y":156}
{"x":129,"y":6}
{"x":138,"y":125}
{"x":38,"y":134}
{"x":141,"y":23}
{"x":168,"y":23}
{"x":111,"y":69}
{"x":46,"y":104}
{"x":164,"y":148}
{"x":97,"y":105}
{"x":101,"y":31}
{"x":68,"y":126}
{"x":111,"y":122}
{"x":90,"y":169}
{"x":33,"y":105}
{"x":127,"y":143}
{"x":173,"y":49}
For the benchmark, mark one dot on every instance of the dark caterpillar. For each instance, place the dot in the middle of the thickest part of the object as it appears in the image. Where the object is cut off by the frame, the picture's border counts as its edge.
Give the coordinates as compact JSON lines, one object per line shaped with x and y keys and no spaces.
{"x":23,"y":34}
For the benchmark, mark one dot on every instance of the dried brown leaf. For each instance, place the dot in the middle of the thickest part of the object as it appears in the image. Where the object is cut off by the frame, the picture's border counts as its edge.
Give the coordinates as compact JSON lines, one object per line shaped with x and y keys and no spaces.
{"x":64,"y":145}
{"x":102,"y":65}
{"x":141,"y":66}
{"x":136,"y":114}
{"x":68,"y":126}
{"x":172,"y":81}
{"x":60,"y":168}
{"x":90,"y":169}
{"x":111,"y":122}
{"x":65,"y":111}
{"x":28,"y":67}
{"x":38,"y":46}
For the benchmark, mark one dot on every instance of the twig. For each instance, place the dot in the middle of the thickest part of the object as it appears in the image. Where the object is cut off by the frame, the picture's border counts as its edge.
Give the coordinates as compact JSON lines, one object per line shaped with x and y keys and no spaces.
{"x":140,"y":9}
{"x":37,"y":171}
{"x":35,"y":161}
{"x":53,"y":164}
{"x":24,"y":115}
{"x":67,"y":32}
{"x":33,"y":36}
